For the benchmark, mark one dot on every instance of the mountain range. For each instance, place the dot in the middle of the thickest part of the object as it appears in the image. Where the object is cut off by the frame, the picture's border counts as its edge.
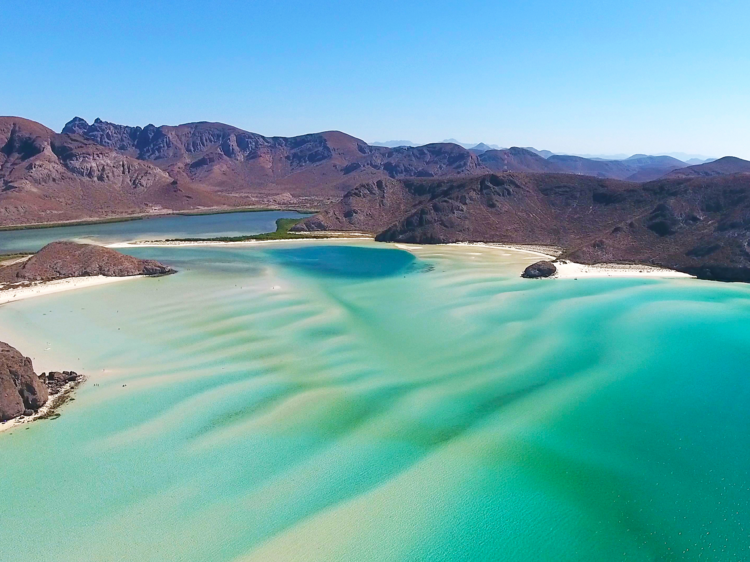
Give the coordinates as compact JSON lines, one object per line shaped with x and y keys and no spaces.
{"x":101,"y":169}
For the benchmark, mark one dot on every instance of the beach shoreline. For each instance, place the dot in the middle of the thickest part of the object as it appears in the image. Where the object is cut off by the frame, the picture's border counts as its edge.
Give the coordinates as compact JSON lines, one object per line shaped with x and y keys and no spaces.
{"x":10,"y":294}
{"x":54,"y":403}
{"x":198,"y":243}
{"x":567,"y":269}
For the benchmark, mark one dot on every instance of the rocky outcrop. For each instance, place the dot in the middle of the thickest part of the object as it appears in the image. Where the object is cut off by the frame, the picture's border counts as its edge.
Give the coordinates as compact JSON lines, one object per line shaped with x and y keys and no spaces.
{"x":539,"y":270}
{"x":22,"y":392}
{"x":60,"y":260}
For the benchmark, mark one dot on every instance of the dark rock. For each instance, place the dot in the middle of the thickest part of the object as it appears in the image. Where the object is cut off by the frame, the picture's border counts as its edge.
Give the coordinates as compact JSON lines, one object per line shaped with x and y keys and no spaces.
{"x":539,"y":269}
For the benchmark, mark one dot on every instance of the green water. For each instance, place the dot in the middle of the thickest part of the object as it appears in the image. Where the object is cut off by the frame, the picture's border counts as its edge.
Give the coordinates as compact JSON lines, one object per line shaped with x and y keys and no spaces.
{"x":320,"y":401}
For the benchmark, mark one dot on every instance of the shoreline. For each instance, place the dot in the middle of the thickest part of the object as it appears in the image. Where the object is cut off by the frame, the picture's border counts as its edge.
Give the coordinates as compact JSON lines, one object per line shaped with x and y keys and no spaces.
{"x":13,"y":294}
{"x":567,"y":269}
{"x":50,"y":408}
{"x":549,"y":252}
{"x":572,"y":270}
{"x":156,"y":214}
{"x":186,"y":243}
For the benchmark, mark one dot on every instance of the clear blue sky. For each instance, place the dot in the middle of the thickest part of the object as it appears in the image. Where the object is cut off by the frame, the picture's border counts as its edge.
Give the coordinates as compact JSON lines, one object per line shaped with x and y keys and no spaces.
{"x":591,"y":76}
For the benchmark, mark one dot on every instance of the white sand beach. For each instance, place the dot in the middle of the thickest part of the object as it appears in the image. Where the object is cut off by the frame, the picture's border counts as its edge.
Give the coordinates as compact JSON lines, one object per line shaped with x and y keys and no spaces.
{"x":572,"y":270}
{"x":12,"y":294}
{"x":337,"y":236}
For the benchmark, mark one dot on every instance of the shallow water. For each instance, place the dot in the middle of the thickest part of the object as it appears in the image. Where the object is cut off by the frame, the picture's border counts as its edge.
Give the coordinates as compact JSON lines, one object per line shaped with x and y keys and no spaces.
{"x":155,"y":228}
{"x":356,"y":401}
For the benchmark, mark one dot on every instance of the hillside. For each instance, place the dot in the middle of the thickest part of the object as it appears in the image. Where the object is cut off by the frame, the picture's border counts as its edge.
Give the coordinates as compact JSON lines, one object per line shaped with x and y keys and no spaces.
{"x":46,"y":177}
{"x":101,"y":169}
{"x":692,"y":225}
{"x":721,"y":167}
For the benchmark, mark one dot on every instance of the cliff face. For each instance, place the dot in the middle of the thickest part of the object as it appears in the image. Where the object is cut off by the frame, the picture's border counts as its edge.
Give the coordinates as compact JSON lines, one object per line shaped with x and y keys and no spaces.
{"x":699,"y":226}
{"x":60,"y":260}
{"x":21,"y":390}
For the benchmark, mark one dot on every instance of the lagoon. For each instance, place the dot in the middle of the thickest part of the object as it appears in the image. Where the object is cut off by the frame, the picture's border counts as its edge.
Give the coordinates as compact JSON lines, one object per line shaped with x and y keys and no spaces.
{"x":340,"y":400}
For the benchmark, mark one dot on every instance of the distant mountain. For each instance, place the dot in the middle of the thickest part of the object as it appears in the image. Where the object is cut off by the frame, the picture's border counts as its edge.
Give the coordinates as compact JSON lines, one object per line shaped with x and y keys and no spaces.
{"x":480,"y":148}
{"x":516,"y":160}
{"x":698,"y":226}
{"x":685,"y":157}
{"x":393,"y":143}
{"x":636,"y":168}
{"x":542,"y":153}
{"x":471,"y":145}
{"x":721,"y":167}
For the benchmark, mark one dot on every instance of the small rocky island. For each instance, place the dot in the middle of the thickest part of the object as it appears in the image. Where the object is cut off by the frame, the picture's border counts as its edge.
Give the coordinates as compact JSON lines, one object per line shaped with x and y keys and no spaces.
{"x":62,"y":260}
{"x":23,"y":393}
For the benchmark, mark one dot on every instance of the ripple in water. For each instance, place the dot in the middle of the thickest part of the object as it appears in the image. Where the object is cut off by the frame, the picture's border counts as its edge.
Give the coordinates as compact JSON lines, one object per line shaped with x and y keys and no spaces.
{"x":321,"y":401}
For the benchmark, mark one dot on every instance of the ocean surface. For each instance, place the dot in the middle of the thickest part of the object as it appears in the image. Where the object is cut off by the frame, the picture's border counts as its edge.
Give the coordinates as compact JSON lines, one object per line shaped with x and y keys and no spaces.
{"x":354,"y":401}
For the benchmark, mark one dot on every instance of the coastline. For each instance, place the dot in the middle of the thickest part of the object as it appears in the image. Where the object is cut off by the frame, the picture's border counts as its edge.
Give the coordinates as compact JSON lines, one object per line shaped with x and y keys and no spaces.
{"x":185,"y":243}
{"x":154,"y":214}
{"x":571,"y":270}
{"x":13,"y":294}
{"x":565,"y":269}
{"x":54,"y":402}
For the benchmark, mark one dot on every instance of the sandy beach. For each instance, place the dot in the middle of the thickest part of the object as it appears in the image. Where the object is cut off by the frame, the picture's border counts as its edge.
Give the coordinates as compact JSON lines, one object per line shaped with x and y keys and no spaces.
{"x":571,"y":270}
{"x":39,"y":289}
{"x":176,"y":244}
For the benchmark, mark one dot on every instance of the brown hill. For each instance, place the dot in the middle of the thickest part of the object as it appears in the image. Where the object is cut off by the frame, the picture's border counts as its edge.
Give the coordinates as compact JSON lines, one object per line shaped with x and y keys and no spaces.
{"x":637,"y":168}
{"x":225,"y":159}
{"x":721,"y":167}
{"x":104,"y":169}
{"x":517,"y":160}
{"x":46,"y":177}
{"x":692,"y":225}
{"x":21,"y":390}
{"x":60,"y":260}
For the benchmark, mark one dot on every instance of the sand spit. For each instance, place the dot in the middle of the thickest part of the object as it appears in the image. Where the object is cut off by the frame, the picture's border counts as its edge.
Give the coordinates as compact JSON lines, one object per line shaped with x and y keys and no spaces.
{"x":174,"y":243}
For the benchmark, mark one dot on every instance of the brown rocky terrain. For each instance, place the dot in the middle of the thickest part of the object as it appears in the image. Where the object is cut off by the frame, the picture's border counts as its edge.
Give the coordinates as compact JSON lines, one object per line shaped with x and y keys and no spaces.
{"x":103,"y":169}
{"x":695,"y":225}
{"x":46,"y":177}
{"x":61,"y":260}
{"x":23,"y":393}
{"x":21,"y":390}
{"x":721,"y":167}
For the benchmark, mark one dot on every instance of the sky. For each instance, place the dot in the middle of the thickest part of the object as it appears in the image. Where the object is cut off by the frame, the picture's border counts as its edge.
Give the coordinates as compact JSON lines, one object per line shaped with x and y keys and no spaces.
{"x":575,"y":76}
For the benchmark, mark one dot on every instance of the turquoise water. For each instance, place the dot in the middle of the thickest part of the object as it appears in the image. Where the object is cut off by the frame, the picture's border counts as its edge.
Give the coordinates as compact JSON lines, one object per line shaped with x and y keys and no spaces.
{"x":173,"y":226}
{"x":341,"y":401}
